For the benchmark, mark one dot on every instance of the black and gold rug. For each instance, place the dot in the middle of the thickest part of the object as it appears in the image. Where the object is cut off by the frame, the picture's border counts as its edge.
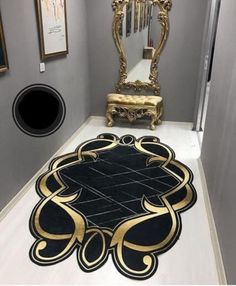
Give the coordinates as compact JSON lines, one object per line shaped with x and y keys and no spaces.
{"x":118,"y":197}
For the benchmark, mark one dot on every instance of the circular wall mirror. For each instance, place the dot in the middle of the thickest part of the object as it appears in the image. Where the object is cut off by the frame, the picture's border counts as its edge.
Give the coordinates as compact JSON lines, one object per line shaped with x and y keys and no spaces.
{"x":39,"y":110}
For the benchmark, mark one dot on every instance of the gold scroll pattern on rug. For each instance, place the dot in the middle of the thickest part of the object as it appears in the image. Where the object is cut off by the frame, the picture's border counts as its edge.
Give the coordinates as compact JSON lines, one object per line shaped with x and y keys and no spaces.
{"x":115,"y":241}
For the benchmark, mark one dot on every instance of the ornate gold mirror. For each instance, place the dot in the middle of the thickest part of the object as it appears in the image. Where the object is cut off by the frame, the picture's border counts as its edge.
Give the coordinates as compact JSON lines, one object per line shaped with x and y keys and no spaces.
{"x":140,"y":30}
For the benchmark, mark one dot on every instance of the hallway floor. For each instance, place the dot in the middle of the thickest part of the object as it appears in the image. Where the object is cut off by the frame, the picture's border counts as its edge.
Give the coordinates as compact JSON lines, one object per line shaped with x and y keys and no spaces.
{"x":190,"y":261}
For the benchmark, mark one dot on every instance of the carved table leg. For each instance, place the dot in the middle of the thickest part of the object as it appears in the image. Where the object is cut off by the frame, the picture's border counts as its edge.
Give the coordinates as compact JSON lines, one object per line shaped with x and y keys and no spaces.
{"x":154,"y":120}
{"x":134,"y":112}
{"x":110,"y":121}
{"x":159,"y":114}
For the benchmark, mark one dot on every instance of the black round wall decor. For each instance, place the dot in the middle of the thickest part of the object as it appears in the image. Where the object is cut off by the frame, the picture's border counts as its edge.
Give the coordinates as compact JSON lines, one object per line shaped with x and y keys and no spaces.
{"x":39,"y":110}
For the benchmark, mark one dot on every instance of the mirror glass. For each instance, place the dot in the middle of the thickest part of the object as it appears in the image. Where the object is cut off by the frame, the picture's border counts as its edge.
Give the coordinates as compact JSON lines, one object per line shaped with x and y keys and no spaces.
{"x":140,"y":34}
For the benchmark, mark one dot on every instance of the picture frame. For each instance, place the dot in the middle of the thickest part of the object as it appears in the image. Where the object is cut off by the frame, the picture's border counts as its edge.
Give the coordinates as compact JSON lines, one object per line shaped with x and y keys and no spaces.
{"x":147,"y":23}
{"x":136,"y":15}
{"x":149,"y":14}
{"x":141,"y":16}
{"x":4,"y":66}
{"x":52,"y":25}
{"x":144,"y":15}
{"x":146,"y":5}
{"x":129,"y":18}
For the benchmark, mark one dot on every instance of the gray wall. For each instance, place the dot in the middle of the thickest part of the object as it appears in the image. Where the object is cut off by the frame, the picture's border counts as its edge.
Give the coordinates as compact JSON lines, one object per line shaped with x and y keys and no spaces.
{"x":135,"y":43}
{"x":179,"y":65}
{"x":155,"y":27}
{"x":21,"y":155}
{"x":104,"y":62}
{"x":219,"y":144}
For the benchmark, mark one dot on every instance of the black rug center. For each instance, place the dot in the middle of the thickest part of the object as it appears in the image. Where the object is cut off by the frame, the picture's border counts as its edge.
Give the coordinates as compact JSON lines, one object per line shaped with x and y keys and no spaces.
{"x":113,"y":186}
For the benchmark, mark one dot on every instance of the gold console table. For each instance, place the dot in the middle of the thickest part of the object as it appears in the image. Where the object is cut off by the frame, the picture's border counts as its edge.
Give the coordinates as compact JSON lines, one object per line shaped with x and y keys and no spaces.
{"x":134,"y":107}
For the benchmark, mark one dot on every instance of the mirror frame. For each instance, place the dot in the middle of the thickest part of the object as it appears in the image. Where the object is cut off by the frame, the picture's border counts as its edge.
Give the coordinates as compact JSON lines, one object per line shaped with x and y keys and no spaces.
{"x":163,"y":18}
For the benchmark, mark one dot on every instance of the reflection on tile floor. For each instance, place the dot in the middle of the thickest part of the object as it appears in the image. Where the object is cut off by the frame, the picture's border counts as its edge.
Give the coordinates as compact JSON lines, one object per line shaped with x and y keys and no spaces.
{"x":190,"y":261}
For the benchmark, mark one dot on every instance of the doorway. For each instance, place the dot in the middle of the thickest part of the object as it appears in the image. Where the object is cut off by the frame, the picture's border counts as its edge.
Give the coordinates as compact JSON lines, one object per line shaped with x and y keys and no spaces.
{"x":208,"y":58}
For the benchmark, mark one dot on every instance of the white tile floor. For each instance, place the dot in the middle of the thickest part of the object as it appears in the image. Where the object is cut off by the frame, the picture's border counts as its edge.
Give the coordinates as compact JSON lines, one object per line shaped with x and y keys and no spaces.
{"x":190,"y":261}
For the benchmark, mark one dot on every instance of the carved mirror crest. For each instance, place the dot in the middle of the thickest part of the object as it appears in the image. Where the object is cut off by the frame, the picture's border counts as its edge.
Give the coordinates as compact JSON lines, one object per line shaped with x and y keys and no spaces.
{"x":140,"y":51}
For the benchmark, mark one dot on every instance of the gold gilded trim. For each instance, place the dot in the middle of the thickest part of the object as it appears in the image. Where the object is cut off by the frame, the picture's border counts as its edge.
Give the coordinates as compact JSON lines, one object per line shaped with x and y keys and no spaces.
{"x":84,"y":262}
{"x":134,"y":112}
{"x":163,"y":18}
{"x":115,"y":241}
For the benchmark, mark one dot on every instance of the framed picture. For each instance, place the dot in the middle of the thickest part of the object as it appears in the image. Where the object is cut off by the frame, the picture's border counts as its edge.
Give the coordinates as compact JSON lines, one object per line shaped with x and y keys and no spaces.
{"x":141,"y":14}
{"x":147,"y":21}
{"x":52,"y":23}
{"x":149,"y":14}
{"x":129,"y":18}
{"x":145,"y":15}
{"x":136,"y":14}
{"x":3,"y":51}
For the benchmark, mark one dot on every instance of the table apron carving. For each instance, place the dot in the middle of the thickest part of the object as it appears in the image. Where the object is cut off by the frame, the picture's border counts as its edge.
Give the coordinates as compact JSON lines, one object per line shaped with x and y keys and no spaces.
{"x":134,"y":112}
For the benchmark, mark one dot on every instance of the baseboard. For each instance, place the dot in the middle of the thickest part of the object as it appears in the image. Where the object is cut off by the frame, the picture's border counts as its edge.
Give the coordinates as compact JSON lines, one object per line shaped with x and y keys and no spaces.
{"x":200,"y":138}
{"x":98,"y":117}
{"x":213,"y":231}
{"x":178,"y":123}
{"x":185,"y":124}
{"x":29,"y":184}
